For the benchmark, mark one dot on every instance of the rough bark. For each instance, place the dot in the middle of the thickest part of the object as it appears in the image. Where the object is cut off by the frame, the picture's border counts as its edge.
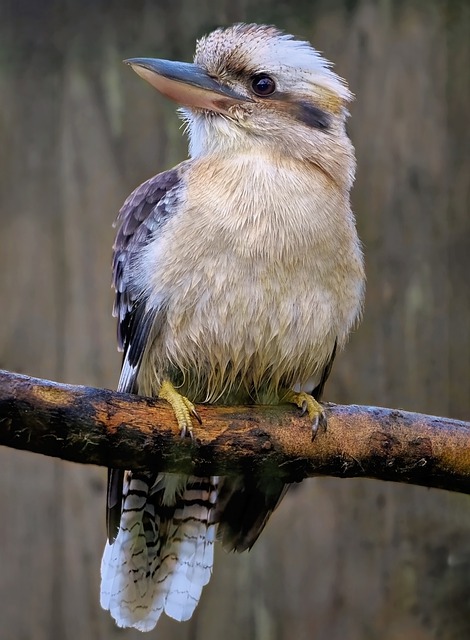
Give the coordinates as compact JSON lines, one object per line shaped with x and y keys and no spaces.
{"x":102,"y":427}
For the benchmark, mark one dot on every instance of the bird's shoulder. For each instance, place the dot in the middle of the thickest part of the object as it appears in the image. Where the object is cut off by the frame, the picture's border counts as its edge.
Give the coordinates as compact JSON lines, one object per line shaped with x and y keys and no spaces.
{"x":147,"y":207}
{"x":142,"y":216}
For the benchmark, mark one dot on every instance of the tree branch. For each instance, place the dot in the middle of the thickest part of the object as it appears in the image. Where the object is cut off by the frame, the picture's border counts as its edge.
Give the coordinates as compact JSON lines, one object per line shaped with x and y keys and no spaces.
{"x":97,"y":426}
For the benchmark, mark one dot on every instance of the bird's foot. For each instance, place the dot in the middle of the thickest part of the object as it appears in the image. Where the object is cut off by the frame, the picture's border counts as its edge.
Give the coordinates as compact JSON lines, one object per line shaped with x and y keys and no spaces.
{"x":309,"y":405}
{"x":183,"y":408}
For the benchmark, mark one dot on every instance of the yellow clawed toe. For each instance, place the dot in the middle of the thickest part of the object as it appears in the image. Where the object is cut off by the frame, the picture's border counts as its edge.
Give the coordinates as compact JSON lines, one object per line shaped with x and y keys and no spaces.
{"x":309,"y":405}
{"x":182,"y":407}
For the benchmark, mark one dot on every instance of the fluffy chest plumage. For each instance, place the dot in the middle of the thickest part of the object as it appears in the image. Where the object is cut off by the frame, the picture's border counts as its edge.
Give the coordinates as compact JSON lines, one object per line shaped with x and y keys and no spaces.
{"x":259,"y":273}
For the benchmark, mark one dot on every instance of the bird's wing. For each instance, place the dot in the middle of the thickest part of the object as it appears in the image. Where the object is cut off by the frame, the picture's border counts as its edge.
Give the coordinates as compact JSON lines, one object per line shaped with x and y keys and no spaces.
{"x":317,"y":393}
{"x":245,"y":503}
{"x":141,"y":218}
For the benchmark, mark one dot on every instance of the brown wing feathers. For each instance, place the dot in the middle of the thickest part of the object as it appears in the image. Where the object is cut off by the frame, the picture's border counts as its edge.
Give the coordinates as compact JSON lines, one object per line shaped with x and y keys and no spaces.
{"x":143,"y":215}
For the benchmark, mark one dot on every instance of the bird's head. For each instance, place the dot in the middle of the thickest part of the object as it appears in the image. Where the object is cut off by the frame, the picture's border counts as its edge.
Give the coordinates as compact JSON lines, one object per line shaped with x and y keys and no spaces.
{"x":252,"y":86}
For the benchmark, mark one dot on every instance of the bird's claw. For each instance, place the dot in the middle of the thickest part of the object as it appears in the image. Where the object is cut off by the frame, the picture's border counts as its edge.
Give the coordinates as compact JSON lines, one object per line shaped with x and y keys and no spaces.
{"x":196,"y":415}
{"x":187,"y":427}
{"x":186,"y":432}
{"x":308,"y":404}
{"x":182,"y":407}
{"x":318,"y":421}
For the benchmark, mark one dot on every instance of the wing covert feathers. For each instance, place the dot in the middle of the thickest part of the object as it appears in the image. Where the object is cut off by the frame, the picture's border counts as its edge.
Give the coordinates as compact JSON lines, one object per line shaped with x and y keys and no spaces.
{"x":142,"y":216}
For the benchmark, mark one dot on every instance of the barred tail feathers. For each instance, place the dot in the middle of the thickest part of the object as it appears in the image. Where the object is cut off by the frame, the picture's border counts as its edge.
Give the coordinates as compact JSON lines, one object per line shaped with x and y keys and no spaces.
{"x":163,"y":554}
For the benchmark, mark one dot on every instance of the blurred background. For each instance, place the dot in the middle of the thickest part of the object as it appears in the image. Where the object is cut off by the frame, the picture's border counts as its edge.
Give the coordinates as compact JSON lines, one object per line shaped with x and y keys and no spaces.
{"x":340,"y":559}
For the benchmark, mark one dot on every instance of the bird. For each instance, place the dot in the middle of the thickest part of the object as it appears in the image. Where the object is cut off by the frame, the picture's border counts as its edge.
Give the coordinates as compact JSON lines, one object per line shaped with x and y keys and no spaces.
{"x":238,"y":275}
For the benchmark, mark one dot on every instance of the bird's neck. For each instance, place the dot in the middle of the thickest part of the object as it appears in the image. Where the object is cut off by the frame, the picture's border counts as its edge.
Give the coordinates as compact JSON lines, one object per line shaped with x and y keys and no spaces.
{"x":266,"y":203}
{"x":221,"y":142}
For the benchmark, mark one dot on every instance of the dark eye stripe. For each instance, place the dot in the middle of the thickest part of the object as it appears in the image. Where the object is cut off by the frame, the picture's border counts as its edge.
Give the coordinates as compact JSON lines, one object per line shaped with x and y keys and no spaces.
{"x":311,"y":116}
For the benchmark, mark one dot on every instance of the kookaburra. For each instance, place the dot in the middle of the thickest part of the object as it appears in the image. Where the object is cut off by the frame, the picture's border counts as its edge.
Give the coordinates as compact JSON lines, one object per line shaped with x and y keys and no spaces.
{"x":238,"y":274}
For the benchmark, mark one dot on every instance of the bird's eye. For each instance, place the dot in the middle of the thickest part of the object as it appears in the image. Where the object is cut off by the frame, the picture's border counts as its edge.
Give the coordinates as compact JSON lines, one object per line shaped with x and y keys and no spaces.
{"x":263,"y":85}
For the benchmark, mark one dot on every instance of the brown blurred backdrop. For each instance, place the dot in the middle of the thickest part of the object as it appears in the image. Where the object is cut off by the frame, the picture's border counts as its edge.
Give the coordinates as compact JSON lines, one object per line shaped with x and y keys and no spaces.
{"x":341,"y":559}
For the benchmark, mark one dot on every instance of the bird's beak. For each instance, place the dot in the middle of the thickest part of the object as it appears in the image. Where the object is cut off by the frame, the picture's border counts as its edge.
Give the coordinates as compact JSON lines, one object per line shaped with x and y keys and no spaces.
{"x":187,"y":84}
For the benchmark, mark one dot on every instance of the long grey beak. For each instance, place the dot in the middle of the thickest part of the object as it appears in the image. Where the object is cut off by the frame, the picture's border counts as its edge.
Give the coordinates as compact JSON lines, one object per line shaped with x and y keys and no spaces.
{"x":185,"y":83}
